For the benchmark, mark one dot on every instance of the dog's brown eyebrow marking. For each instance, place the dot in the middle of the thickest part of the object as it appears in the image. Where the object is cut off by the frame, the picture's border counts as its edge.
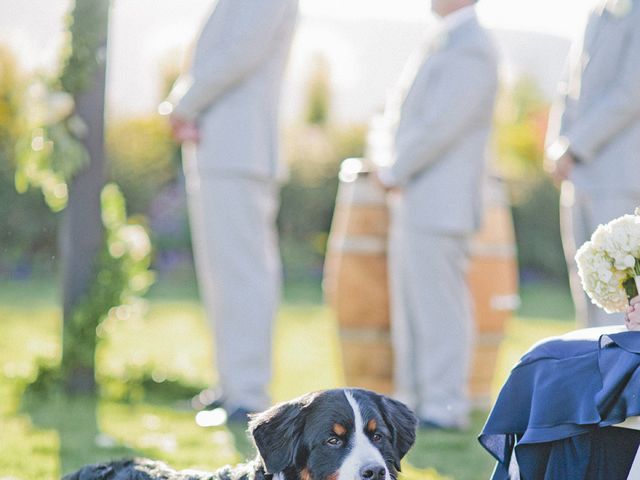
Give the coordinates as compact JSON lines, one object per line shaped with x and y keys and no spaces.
{"x":372,"y":425}
{"x":339,"y":429}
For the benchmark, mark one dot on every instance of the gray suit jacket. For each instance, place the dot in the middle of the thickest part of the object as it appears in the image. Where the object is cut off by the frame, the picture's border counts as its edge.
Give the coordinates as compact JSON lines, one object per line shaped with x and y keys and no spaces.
{"x":598,"y":109}
{"x":233,"y":86}
{"x":442,"y":131}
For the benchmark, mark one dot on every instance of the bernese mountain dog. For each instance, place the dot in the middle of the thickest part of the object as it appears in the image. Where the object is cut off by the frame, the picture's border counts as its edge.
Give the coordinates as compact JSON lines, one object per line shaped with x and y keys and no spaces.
{"x":342,"y":434}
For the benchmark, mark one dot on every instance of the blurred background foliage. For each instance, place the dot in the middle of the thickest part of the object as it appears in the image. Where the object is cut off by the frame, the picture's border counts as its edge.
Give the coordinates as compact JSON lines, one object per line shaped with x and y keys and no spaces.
{"x":520,"y":128}
{"x":145,"y":162}
{"x":143,"y":159}
{"x":28,"y":233}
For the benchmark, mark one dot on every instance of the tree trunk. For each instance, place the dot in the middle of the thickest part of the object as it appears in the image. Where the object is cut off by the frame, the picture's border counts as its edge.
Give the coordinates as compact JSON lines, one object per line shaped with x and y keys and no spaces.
{"x":82,"y":232}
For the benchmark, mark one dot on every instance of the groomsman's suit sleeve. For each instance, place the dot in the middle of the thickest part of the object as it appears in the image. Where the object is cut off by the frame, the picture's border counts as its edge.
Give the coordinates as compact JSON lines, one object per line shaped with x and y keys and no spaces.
{"x":247,"y":41}
{"x":451,"y":104}
{"x":562,"y":108}
{"x":615,"y":110}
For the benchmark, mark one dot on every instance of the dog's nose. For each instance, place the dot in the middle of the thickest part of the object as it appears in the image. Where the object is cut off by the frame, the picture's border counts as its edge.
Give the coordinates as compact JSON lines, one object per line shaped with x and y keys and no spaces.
{"x":372,"y":471}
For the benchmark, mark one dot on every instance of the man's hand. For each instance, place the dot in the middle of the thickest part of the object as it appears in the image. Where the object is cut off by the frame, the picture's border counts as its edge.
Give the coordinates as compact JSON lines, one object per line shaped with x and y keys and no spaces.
{"x":184,"y":130}
{"x":379,"y":181}
{"x":560,"y":169}
{"x":632,"y":317}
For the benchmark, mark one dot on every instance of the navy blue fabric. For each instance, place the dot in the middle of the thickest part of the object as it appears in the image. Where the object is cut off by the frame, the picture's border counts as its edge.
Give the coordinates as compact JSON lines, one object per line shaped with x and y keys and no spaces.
{"x":554,"y":408}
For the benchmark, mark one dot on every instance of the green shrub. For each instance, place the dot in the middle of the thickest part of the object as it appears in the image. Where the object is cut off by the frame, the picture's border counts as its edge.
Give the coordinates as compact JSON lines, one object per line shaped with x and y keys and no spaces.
{"x":142,"y":158}
{"x":521,"y":124}
{"x":536,"y":221}
{"x":29,"y":228}
{"x":314,"y":155}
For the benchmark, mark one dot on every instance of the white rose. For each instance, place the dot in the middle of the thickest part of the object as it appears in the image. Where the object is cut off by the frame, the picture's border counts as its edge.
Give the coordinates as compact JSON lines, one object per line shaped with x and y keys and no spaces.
{"x":600,"y":237}
{"x":625,"y":263}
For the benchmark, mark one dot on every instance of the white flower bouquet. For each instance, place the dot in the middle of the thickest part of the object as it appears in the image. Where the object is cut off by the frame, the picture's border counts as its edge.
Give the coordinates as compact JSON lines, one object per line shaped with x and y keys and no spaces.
{"x":609,"y":264}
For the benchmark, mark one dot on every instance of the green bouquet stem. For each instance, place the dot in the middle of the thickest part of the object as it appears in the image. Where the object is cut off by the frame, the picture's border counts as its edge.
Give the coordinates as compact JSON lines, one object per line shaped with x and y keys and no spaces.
{"x":632,"y":284}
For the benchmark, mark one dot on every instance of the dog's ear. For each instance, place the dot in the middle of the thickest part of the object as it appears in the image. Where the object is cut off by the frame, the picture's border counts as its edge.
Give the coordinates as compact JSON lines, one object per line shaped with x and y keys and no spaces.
{"x":402,"y":423}
{"x":277,"y":434}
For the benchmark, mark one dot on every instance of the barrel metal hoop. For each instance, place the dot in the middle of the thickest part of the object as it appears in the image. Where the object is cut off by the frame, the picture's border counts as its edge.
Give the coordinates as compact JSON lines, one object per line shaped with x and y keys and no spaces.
{"x":364,"y":334}
{"x":364,"y":244}
{"x":508,"y":302}
{"x":488,"y":339}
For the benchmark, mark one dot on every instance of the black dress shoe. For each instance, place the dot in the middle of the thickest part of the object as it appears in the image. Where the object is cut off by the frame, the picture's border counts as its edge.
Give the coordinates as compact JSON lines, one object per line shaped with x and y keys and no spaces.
{"x":208,"y":399}
{"x":424,"y":424}
{"x":238,"y":416}
{"x":430,"y":425}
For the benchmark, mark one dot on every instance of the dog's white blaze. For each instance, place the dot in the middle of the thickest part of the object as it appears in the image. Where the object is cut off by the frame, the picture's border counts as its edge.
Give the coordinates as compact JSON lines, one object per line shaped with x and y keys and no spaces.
{"x":363,"y":452}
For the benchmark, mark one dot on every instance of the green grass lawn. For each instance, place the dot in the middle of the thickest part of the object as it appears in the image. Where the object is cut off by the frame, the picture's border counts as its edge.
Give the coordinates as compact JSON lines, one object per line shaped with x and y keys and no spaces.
{"x":161,"y":353}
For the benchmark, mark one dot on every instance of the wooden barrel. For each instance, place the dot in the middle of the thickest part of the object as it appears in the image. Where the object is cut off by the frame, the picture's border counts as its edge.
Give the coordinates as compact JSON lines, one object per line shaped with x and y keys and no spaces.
{"x":356,"y":285}
{"x":355,"y":278}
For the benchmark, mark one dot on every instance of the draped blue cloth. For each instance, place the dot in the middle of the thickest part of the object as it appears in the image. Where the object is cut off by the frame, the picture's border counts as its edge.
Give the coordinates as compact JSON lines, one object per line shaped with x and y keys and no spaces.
{"x":556,"y":408}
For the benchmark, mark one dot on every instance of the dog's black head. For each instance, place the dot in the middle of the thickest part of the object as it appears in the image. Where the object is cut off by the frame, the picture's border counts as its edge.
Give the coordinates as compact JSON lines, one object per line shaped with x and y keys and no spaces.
{"x":335,"y":435}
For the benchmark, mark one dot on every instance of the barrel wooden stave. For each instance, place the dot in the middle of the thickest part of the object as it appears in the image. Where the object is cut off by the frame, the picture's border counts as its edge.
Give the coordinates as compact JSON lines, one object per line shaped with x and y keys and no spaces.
{"x":367,"y":356}
{"x":492,"y":282}
{"x":354,"y":280}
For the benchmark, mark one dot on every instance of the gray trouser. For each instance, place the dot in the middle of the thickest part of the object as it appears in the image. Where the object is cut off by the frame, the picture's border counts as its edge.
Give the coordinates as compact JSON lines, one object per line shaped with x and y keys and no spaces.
{"x":580,"y":214}
{"x":431,"y":321}
{"x":239,"y":275}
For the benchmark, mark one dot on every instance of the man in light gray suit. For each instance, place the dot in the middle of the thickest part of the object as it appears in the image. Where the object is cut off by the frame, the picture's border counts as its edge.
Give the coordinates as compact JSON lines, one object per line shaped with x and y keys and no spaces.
{"x":227,"y":107}
{"x":442,"y":117}
{"x":594,"y":136}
